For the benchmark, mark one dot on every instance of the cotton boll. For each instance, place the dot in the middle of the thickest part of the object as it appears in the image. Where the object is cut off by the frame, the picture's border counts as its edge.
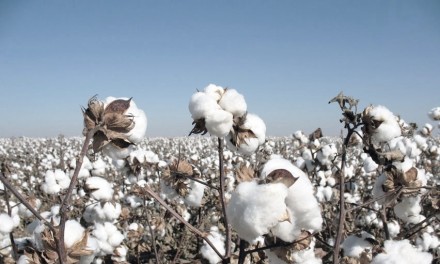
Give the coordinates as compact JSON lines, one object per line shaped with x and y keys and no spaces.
{"x":62,"y":179}
{"x":214,"y":91}
{"x":7,"y":223}
{"x":393,"y":228}
{"x":201,"y":104}
{"x":287,"y":231}
{"x":434,"y":114}
{"x":401,"y":252}
{"x":300,"y":200}
{"x":115,"y":238}
{"x":117,"y":153}
{"x":100,"y":188}
{"x":250,"y":144}
{"x":218,"y":240}
{"x":233,"y":102}
{"x":327,"y":154}
{"x":354,"y":245}
{"x":112,"y":211}
{"x":92,"y":244}
{"x":73,"y":233}
{"x":194,"y":197}
{"x":218,"y":122}
{"x":306,"y":256}
{"x":120,"y":254}
{"x":408,"y":210}
{"x":251,"y":213}
{"x":370,"y":165}
{"x":389,"y":127}
{"x":98,"y":168}
{"x":137,"y":133}
{"x":427,"y":241}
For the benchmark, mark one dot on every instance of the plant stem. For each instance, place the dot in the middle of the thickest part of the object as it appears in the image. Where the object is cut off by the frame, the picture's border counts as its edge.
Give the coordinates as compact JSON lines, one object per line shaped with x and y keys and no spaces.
{"x":11,"y":235}
{"x":66,"y":201}
{"x":222,"y":198}
{"x":342,"y":212}
{"x":23,"y":200}
{"x":194,"y":230}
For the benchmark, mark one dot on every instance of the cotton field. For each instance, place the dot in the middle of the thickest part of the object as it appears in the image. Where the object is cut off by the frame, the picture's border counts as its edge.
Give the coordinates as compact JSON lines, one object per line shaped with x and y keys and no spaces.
{"x":234,"y":195}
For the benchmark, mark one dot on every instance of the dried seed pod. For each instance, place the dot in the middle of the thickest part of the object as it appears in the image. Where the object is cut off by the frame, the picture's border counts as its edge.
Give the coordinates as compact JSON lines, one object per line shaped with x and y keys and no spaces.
{"x":281,"y":176}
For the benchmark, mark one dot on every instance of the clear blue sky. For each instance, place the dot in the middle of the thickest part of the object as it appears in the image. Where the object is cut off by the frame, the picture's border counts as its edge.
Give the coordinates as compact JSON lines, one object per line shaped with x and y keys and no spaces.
{"x":288,"y":58}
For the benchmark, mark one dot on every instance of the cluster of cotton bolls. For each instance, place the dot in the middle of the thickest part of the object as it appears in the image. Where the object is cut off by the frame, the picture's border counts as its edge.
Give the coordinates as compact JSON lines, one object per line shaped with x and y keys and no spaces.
{"x":223,"y":113}
{"x":290,"y":209}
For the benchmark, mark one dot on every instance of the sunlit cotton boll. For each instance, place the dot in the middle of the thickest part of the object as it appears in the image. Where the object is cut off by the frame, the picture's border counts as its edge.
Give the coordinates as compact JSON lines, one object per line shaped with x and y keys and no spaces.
{"x":195,"y":195}
{"x":54,"y":181}
{"x":218,"y":240}
{"x":401,"y":252}
{"x":250,"y":144}
{"x":408,"y":210}
{"x":354,"y":245}
{"x":137,"y":133}
{"x":300,"y":199}
{"x":73,"y":233}
{"x":389,"y":127}
{"x":218,"y":122}
{"x":100,"y":188}
{"x":254,"y":209}
{"x":7,"y":223}
{"x":233,"y":102}
{"x":434,"y":114}
{"x":201,"y":104}
{"x":214,"y":91}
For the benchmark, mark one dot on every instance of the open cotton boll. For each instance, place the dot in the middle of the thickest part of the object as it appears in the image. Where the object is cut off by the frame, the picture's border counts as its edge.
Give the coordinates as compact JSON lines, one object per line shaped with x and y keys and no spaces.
{"x":98,"y":167}
{"x":233,"y":102}
{"x":92,"y":244}
{"x":389,"y":127}
{"x":401,"y":252}
{"x":408,"y":210}
{"x":287,"y":231}
{"x":249,"y":144}
{"x":250,"y":211}
{"x":62,"y":179}
{"x":370,"y":165}
{"x":117,"y":153}
{"x":300,"y":199}
{"x":73,"y":233}
{"x":354,"y":245}
{"x":327,"y":154}
{"x":306,"y":256}
{"x":101,"y":189}
{"x":218,"y":122}
{"x":195,"y":195}
{"x":201,"y":104}
{"x":434,"y":114}
{"x":137,"y":133}
{"x":393,"y":228}
{"x":7,"y":223}
{"x":214,"y":91}
{"x":50,"y":185}
{"x":427,"y":241}
{"x":218,"y":240}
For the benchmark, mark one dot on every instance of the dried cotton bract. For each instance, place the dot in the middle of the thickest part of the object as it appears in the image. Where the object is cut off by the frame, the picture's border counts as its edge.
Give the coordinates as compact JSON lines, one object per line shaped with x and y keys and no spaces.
{"x":118,"y":122}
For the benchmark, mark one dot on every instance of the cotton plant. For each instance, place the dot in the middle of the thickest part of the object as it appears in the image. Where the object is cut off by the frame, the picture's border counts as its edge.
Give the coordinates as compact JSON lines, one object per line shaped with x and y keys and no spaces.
{"x":223,"y":113}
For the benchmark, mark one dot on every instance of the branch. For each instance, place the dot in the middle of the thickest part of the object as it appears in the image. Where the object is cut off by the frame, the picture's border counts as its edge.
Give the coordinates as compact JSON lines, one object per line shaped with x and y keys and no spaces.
{"x":222,"y":199}
{"x":66,"y":201}
{"x":194,"y":230}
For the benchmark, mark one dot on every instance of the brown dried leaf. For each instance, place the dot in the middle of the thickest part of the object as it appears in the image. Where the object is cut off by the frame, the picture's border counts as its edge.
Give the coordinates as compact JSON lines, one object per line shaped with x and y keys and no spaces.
{"x":244,"y":174}
{"x":182,"y":167}
{"x":281,"y":176}
{"x":120,"y":143}
{"x":199,"y":127}
{"x":118,"y":123}
{"x":99,"y":141}
{"x":304,"y":240}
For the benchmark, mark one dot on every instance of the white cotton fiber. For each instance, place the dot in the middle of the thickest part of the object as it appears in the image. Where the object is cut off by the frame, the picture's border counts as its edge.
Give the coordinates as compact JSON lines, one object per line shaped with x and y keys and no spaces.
{"x":327,"y":154}
{"x":354,"y":245}
{"x":73,"y":233}
{"x":389,"y":128}
{"x":214,"y":91}
{"x":137,"y":133}
{"x":393,"y":228}
{"x":201,"y":104}
{"x":116,"y":153}
{"x":253,"y":209}
{"x":300,"y":199}
{"x":434,"y":114}
{"x":7,"y":223}
{"x":370,"y":165}
{"x":408,"y":210}
{"x":218,"y":240}
{"x":195,"y":195}
{"x":100,"y":188}
{"x":233,"y":102}
{"x":251,"y":144}
{"x":401,"y":252}
{"x":218,"y":122}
